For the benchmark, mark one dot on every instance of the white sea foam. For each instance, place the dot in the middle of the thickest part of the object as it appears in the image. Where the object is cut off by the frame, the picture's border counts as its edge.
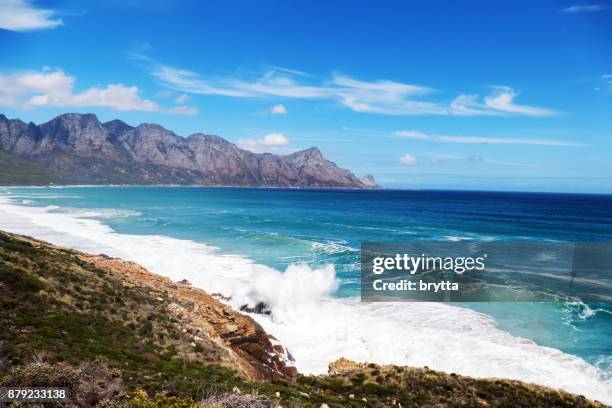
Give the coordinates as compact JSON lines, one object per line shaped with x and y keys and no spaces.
{"x":317,"y":328}
{"x":100,"y":212}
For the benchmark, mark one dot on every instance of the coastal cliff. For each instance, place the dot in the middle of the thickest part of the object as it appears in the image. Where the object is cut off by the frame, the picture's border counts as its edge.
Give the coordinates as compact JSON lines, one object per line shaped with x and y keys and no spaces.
{"x":119,"y":336}
{"x":79,"y":149}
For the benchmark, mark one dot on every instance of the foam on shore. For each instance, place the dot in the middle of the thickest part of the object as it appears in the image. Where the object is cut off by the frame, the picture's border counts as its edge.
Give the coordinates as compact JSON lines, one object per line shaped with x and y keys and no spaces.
{"x":314,"y":326}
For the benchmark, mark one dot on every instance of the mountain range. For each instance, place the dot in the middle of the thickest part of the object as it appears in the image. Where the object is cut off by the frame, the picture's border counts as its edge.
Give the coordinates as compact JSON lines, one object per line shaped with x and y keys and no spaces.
{"x":77,"y":148}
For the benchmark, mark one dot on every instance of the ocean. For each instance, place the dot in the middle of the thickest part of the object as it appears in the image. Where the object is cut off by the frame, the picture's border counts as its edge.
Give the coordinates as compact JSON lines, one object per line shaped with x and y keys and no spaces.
{"x":298,"y":252}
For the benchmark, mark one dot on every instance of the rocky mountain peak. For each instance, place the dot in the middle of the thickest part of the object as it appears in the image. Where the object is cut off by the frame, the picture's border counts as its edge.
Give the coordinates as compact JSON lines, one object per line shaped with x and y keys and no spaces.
{"x":116,"y":125}
{"x":310,"y":153}
{"x":69,"y":119}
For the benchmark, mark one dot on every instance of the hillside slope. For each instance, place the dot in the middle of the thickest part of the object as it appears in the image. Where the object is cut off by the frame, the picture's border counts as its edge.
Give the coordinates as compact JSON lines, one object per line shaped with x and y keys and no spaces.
{"x":119,"y":336}
{"x":15,"y":171}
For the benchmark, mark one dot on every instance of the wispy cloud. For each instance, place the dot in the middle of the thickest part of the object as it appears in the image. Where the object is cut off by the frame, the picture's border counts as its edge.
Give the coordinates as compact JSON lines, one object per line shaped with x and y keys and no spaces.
{"x":269,"y":142}
{"x":436,"y":158}
{"x":599,"y":159}
{"x":23,"y":15}
{"x":272,"y":83}
{"x":412,"y":134}
{"x":181,"y":99}
{"x":586,"y":8}
{"x":383,"y":96}
{"x":289,"y":70}
{"x":503,"y":100}
{"x":55,"y":88}
{"x":476,"y":158}
{"x":182,"y":110}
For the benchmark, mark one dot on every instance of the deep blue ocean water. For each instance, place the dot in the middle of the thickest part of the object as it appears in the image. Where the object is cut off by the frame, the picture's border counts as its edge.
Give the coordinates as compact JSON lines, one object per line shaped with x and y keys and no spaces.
{"x":279,"y":227}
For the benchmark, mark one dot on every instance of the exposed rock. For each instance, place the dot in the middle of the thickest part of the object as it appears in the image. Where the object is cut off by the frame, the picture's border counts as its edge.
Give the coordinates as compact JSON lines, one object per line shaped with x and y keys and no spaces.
{"x":343,"y":365}
{"x":259,"y":308}
{"x":78,"y":148}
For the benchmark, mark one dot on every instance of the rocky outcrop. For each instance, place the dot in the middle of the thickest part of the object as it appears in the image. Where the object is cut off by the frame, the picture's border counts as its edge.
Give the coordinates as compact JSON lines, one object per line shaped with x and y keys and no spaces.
{"x":84,"y":150}
{"x":256,"y":352}
{"x":368,"y":180}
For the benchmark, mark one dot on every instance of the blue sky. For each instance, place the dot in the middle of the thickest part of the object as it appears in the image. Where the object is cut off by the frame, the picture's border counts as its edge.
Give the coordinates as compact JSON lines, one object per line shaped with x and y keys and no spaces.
{"x":432,"y":94}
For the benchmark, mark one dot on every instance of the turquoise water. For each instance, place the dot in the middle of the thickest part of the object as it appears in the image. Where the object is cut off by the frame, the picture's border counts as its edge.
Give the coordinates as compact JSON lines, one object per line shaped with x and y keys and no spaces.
{"x":278,"y":227}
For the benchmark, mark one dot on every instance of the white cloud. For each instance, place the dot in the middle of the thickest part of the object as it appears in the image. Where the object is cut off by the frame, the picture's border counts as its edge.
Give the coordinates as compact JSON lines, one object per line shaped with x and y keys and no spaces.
{"x":54,"y":88}
{"x":115,"y":96}
{"x":586,"y":8}
{"x":412,"y":134}
{"x":408,"y":160}
{"x":266,"y":143}
{"x":22,"y":15}
{"x":278,"y":110}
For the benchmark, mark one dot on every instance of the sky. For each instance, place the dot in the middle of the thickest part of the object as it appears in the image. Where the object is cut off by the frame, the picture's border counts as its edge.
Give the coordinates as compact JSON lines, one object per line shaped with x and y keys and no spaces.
{"x":478,"y":95}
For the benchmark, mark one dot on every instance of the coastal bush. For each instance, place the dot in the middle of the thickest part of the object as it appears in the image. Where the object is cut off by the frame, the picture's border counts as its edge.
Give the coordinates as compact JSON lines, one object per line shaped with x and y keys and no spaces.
{"x":237,"y":401}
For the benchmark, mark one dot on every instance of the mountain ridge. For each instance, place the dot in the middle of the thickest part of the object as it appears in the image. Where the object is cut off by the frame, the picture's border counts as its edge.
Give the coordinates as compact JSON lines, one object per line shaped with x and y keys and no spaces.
{"x":85,"y":150}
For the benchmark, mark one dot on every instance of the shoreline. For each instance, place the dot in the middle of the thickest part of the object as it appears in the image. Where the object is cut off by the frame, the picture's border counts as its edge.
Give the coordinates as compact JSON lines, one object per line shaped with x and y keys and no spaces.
{"x":187,"y":336}
{"x":379,"y":189}
{"x":321,"y":305}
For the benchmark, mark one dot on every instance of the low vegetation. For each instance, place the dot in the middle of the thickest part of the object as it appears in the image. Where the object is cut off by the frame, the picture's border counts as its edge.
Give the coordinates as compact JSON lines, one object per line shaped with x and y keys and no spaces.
{"x":67,"y":322}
